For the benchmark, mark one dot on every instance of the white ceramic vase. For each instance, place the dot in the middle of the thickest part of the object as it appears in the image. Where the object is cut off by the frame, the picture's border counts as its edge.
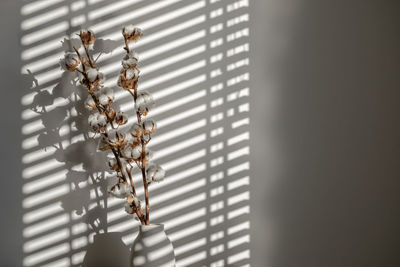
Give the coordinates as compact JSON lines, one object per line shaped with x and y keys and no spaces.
{"x":152,"y":248}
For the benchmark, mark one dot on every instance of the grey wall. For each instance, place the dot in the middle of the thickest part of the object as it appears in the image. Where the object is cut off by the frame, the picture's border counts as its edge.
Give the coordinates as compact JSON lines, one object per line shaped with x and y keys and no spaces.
{"x":10,"y":141}
{"x":325,"y":134}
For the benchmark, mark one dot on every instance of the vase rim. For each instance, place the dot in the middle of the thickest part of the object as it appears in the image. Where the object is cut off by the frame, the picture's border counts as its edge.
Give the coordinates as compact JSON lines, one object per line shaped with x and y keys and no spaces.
{"x":145,"y":228}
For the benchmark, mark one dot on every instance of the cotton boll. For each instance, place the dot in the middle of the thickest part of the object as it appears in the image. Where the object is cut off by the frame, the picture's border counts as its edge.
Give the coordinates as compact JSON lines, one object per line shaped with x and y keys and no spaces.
{"x":149,"y":126}
{"x":89,"y":103}
{"x":109,"y":92}
{"x":71,"y":61}
{"x":136,"y":130}
{"x":92,"y":74}
{"x":87,"y":37}
{"x":127,"y":152}
{"x":97,"y":120}
{"x":131,"y":33}
{"x":149,"y":154}
{"x":136,"y":201}
{"x":121,"y":118}
{"x":138,"y":31}
{"x":140,"y":99}
{"x":145,"y":98}
{"x":144,"y":102}
{"x":112,"y":136}
{"x":148,"y":99}
{"x":101,"y":78}
{"x":106,"y":96}
{"x":104,"y":100}
{"x":111,"y":113}
{"x":155,"y":173}
{"x":136,"y":72}
{"x":129,"y":74}
{"x":133,"y":152}
{"x":128,"y":208}
{"x":120,"y":190}
{"x":133,"y":54}
{"x":101,"y":120}
{"x":128,"y":30}
{"x":129,"y":138}
{"x":116,"y":137}
{"x":129,"y":62}
{"x":92,"y":119}
{"x":113,"y":164}
{"x":146,"y":137}
{"x":159,"y":175}
{"x":150,"y":171}
{"x":136,"y":152}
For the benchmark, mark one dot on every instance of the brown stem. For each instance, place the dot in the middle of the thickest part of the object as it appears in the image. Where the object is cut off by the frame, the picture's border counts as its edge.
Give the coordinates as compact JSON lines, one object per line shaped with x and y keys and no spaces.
{"x":146,"y":185}
{"x":143,"y":166}
{"x":118,"y":162}
{"x":126,"y":45}
{"x":139,"y":212}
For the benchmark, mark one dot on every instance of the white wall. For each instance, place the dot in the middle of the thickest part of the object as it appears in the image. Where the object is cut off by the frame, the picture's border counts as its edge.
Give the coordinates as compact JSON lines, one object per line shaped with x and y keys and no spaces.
{"x":325,"y":134}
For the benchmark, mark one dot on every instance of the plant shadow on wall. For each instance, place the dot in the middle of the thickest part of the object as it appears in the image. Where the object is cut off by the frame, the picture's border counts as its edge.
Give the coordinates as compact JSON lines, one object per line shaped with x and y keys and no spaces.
{"x":84,"y":165}
{"x":204,"y":200}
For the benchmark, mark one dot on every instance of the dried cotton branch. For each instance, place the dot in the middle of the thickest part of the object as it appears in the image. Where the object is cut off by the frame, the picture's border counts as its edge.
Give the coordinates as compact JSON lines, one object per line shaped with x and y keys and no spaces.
{"x":128,"y":148}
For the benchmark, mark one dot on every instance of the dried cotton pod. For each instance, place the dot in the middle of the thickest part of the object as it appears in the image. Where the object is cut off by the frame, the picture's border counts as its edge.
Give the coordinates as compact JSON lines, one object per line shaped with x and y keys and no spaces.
{"x":120,"y":190}
{"x":132,"y":33}
{"x":136,"y":130}
{"x":121,"y":118}
{"x":133,"y":54}
{"x":128,"y":30}
{"x":155,"y":173}
{"x":149,"y":154}
{"x":111,"y":113}
{"x":89,"y":103}
{"x":113,"y":164}
{"x":133,"y":152}
{"x":116,"y":138}
{"x":127,"y":79}
{"x":101,"y":78}
{"x":146,"y":138}
{"x":103,"y":99}
{"x":130,"y":60}
{"x":131,"y":74}
{"x":97,"y":121}
{"x":149,"y":126}
{"x":144,"y":102}
{"x":128,"y":208}
{"x":92,"y":74}
{"x":87,"y":37}
{"x":134,"y":200}
{"x":106,"y":96}
{"x":71,"y":61}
